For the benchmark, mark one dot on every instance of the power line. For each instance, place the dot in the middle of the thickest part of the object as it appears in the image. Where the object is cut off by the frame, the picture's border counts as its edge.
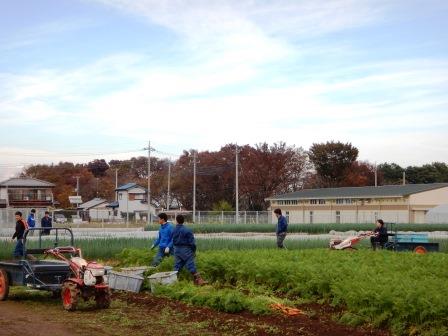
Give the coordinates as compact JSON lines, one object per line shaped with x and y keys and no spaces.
{"x":7,"y":153}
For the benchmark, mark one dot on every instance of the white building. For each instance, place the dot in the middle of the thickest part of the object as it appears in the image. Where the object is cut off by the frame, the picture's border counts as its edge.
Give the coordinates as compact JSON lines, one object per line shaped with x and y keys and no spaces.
{"x":132,"y":200}
{"x":97,"y":210}
{"x":393,"y":203}
{"x":26,"y":192}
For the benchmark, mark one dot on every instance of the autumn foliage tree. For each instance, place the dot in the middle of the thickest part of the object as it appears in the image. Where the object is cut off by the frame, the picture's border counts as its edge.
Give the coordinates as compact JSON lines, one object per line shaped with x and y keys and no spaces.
{"x":264,"y":170}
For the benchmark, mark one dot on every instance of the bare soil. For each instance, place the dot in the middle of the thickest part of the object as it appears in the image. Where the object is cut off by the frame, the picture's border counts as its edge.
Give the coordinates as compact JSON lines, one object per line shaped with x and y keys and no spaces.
{"x":38,"y":314}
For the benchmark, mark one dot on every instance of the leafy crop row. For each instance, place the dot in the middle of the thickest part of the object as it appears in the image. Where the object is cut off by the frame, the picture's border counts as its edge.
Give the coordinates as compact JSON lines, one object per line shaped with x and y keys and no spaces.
{"x":401,"y":291}
{"x":303,"y":228}
{"x":404,"y":291}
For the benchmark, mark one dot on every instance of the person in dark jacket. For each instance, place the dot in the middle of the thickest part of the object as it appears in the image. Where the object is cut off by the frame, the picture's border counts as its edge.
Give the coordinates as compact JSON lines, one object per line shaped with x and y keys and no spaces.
{"x":46,"y":223}
{"x":21,"y":226}
{"x":164,"y":241}
{"x":185,"y":250}
{"x":381,"y":237}
{"x":282,"y":227}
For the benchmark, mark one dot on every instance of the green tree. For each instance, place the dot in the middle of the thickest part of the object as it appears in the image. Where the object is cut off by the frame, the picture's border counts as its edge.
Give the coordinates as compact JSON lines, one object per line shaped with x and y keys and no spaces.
{"x":332,"y":161}
{"x":222,"y":205}
{"x":392,"y":173}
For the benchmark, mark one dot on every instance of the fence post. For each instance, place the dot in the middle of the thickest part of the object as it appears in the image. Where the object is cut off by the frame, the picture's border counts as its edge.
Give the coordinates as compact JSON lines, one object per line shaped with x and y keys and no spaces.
{"x":245,"y":217}
{"x":199,"y":217}
{"x":222,"y":216}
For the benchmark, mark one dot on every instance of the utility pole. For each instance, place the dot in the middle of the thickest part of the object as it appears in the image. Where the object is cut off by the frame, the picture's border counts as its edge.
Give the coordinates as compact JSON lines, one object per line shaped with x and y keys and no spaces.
{"x":236,"y":186}
{"x":97,"y":184}
{"x":116,"y":184}
{"x":169,"y":185}
{"x":77,"y":185}
{"x":376,"y":176}
{"x":77,"y":194}
{"x":404,"y":177}
{"x":149,"y":182}
{"x":194,"y":186}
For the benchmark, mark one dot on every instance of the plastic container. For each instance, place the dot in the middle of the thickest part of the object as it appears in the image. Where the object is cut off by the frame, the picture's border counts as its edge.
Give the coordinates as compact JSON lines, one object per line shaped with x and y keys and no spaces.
{"x":125,"y":281}
{"x":163,"y":278}
{"x":135,"y":270}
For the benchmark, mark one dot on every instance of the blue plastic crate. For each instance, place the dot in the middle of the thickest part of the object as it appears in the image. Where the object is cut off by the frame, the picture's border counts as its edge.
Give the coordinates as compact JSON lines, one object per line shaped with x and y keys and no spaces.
{"x":413,"y":238}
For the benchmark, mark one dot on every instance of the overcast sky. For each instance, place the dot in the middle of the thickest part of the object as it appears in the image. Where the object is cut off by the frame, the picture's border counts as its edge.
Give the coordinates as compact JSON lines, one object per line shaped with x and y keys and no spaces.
{"x":86,"y":77}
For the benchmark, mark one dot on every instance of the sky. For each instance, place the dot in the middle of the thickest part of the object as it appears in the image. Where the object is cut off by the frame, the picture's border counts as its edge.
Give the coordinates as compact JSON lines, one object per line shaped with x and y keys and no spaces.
{"x":85,"y":79}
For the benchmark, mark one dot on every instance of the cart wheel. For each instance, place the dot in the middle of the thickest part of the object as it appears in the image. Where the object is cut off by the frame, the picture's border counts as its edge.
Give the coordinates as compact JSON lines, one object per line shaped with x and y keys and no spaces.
{"x":4,"y":285}
{"x":420,"y":250}
{"x":70,"y":295}
{"x":103,"y":298}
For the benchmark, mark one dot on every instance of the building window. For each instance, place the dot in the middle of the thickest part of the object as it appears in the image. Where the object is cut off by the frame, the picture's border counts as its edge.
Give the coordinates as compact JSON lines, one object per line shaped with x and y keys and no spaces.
{"x":120,"y":196}
{"x":339,"y":201}
{"x":287,"y":216}
{"x":313,"y":201}
{"x":321,"y":201}
{"x":311,"y":217}
{"x":348,"y":201}
{"x":338,"y":217}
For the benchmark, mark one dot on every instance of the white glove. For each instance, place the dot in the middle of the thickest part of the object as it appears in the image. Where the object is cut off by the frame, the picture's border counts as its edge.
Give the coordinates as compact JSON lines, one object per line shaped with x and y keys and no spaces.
{"x":167,"y":250}
{"x":152,"y":246}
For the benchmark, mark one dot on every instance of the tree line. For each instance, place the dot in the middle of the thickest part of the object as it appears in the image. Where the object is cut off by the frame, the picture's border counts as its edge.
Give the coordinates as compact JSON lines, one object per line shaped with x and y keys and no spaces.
{"x":263,"y":170}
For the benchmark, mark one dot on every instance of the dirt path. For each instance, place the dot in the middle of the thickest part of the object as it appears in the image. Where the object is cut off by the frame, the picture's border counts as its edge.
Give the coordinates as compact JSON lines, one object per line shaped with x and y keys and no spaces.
{"x":36,"y":314}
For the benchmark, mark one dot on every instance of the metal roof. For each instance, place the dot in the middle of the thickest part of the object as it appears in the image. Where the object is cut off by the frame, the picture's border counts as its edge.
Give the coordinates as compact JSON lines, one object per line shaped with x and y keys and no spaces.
{"x":92,"y":203}
{"x":26,"y":182}
{"x":360,"y":192}
{"x":113,"y":204}
{"x":128,"y":186}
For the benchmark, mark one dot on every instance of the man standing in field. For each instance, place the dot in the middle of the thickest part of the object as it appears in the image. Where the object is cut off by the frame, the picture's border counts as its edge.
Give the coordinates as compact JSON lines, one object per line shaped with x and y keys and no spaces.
{"x":164,"y":241}
{"x":282,"y":227}
{"x":31,"y":221}
{"x":21,"y":226}
{"x":185,"y":250}
{"x":46,"y":223}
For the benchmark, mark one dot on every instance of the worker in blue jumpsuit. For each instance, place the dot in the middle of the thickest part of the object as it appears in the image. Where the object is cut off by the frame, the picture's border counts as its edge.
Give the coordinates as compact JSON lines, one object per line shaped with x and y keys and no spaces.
{"x":282,"y":227}
{"x":164,"y":241}
{"x":185,"y":250}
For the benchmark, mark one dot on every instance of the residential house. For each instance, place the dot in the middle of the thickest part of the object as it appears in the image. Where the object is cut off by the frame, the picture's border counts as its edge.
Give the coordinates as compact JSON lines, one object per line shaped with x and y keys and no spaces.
{"x":97,"y":210}
{"x":393,"y":203}
{"x":132,"y":201}
{"x":26,"y":192}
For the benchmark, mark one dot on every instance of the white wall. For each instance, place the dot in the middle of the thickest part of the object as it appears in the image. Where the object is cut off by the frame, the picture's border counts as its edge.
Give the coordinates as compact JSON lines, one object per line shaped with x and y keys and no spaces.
{"x":432,"y":197}
{"x":131,"y":206}
{"x":346,"y":216}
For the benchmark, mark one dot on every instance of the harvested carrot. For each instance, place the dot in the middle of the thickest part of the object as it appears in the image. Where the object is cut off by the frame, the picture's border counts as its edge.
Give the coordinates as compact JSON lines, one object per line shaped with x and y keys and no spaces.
{"x":288,"y":311}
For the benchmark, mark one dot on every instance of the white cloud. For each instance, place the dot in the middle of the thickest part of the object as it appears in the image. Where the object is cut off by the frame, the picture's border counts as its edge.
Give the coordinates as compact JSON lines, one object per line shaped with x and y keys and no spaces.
{"x":219,"y":87}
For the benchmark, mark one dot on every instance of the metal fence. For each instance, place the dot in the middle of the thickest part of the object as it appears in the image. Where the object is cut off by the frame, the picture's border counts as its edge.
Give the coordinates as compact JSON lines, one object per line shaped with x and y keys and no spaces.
{"x":93,"y":218}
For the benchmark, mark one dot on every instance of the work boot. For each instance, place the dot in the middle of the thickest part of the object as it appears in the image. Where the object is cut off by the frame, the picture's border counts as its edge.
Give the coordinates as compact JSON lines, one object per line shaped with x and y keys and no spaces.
{"x":198,"y":281}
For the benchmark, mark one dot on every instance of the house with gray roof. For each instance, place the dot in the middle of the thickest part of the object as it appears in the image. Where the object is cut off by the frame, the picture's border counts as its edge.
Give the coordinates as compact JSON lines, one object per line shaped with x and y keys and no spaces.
{"x":132,"y":201}
{"x":97,"y":210}
{"x":26,"y":192}
{"x":393,"y":203}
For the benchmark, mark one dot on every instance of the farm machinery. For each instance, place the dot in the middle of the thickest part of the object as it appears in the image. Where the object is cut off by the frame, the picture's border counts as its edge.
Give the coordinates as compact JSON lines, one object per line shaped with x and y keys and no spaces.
{"x":416,"y":242}
{"x":69,"y":275}
{"x":349,"y":242}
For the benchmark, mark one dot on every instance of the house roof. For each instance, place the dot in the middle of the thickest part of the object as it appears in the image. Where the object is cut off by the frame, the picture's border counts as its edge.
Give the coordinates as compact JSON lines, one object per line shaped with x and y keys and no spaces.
{"x":128,"y":186}
{"x":92,"y":203}
{"x":26,"y":182}
{"x":113,"y":204}
{"x":360,"y":192}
